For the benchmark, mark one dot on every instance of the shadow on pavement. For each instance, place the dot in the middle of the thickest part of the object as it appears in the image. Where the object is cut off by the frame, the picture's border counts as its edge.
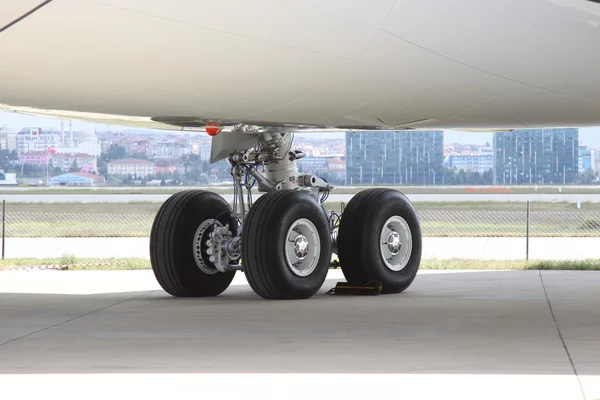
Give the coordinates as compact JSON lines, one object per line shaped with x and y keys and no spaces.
{"x":446,"y":323}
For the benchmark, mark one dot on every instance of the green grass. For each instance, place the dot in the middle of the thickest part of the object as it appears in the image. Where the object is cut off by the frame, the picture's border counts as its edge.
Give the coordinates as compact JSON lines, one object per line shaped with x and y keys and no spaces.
{"x":471,"y":264}
{"x":453,"y":264}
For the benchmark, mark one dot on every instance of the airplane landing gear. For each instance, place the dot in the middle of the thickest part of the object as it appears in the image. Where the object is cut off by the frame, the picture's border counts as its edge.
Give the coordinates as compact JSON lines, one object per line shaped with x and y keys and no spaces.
{"x":180,"y":251}
{"x":284,"y":242}
{"x":380,"y":239}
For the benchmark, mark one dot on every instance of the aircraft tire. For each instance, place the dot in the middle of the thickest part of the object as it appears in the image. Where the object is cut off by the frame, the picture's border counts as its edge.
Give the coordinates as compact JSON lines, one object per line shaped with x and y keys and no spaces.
{"x":173,"y":244}
{"x":379,"y":239}
{"x":286,"y":245}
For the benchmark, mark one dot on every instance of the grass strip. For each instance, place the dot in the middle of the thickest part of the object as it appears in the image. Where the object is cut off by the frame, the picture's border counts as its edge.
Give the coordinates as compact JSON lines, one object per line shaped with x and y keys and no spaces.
{"x":452,"y":264}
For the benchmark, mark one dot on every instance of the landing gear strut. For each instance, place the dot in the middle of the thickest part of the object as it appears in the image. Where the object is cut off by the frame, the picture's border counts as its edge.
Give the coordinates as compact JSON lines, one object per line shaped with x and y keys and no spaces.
{"x":284,"y":241}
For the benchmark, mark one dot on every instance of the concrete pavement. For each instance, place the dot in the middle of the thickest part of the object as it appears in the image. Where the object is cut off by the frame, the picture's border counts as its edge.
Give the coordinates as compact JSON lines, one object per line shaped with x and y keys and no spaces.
{"x":463,"y":335}
{"x":433,"y":248}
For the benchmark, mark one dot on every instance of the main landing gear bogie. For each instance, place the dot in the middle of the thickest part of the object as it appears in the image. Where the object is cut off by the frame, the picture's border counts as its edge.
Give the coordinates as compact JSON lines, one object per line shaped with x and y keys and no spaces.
{"x":286,"y":245}
{"x":284,"y":242}
{"x":380,"y":240}
{"x":181,"y":264}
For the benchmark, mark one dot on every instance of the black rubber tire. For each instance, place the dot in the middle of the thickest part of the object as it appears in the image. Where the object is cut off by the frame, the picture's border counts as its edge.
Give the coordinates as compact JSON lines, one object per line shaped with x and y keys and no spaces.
{"x":171,"y":243}
{"x":358,"y":239}
{"x":263,"y":245}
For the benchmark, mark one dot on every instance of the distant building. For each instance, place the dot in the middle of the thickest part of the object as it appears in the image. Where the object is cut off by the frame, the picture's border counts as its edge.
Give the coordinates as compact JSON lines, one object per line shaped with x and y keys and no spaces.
{"x":195,"y":148}
{"x":394,"y":157}
{"x":86,"y":162}
{"x":11,"y":141}
{"x":587,"y":159}
{"x":130,"y":166}
{"x":30,"y":181}
{"x":337,"y":171}
{"x":8,"y":139}
{"x":35,"y":139}
{"x":313,"y":165}
{"x":169,"y":151}
{"x":85,"y":147}
{"x":331,"y":168}
{"x":482,"y":162}
{"x":204,"y":152}
{"x":164,"y":168}
{"x":76,"y":179}
{"x":8,"y":179}
{"x":536,"y":156}
{"x":35,"y":158}
{"x":139,"y":147}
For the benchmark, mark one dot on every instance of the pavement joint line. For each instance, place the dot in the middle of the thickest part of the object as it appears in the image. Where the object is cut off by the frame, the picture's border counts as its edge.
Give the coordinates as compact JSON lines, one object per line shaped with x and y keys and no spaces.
{"x":74,"y":318}
{"x":560,"y":335}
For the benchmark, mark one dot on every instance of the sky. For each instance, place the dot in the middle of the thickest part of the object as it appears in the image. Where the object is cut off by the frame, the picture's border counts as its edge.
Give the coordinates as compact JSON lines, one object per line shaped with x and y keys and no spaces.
{"x":18,"y":121}
{"x":587,"y":136}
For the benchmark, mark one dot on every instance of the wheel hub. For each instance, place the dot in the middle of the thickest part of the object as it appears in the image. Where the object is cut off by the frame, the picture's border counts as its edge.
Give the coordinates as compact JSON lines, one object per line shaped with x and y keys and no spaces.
{"x":202,"y":249}
{"x":303,"y":247}
{"x":393,"y":243}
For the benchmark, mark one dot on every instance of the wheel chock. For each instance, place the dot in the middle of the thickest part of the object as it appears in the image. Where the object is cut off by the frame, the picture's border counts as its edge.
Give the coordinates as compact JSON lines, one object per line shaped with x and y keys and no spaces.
{"x":372,"y":288}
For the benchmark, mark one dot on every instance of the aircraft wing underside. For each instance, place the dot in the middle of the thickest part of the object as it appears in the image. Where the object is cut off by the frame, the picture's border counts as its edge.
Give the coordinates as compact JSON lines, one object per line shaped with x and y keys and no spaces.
{"x":342,"y":65}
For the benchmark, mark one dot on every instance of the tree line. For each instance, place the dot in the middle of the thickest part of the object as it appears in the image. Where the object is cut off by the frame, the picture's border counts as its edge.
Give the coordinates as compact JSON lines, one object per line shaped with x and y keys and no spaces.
{"x":453,"y":176}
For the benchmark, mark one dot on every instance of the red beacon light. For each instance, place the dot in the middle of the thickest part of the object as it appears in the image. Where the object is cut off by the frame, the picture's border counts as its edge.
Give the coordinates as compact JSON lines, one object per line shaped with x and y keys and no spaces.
{"x":213,"y":129}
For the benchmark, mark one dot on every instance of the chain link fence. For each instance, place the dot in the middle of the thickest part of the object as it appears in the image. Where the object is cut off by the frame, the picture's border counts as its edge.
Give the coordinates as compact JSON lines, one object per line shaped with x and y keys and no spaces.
{"x":447,"y":223}
{"x":57,"y":225}
{"x":479,"y":223}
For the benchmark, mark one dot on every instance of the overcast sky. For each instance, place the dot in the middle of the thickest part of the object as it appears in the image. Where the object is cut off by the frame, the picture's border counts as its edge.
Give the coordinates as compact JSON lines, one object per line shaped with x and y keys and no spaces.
{"x":18,"y":121}
{"x":587,"y":136}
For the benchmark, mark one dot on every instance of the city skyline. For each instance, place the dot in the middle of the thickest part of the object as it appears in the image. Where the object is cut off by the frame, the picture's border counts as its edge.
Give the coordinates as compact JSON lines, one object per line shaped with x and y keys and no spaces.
{"x":394,"y":157}
{"x":527,"y":156}
{"x":386,"y":157}
{"x":588,"y":136}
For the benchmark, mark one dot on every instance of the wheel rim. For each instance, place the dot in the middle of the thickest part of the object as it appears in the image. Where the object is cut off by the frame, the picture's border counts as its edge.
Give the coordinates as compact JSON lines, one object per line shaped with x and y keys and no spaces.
{"x":200,"y":246}
{"x":395,"y":244}
{"x":302,"y":247}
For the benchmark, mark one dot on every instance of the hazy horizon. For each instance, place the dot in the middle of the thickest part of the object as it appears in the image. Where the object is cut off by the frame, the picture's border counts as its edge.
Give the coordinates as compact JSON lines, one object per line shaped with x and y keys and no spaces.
{"x":588,"y":136}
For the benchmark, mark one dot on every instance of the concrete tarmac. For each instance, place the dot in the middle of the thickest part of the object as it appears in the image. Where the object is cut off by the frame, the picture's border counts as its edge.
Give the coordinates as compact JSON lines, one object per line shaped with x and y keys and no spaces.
{"x":464,"y":335}
{"x":441,"y":248}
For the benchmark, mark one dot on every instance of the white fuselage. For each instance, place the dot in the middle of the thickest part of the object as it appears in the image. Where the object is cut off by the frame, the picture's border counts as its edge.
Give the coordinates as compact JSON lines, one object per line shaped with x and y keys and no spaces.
{"x":461,"y":64}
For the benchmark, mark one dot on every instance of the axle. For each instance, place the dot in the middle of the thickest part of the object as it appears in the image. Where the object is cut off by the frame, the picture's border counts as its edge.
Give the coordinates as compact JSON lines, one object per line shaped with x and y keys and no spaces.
{"x":272,"y":165}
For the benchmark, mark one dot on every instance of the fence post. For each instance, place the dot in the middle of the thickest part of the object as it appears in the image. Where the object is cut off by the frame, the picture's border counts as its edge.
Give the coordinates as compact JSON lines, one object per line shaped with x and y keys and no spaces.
{"x":527,"y":234}
{"x":3,"y":225}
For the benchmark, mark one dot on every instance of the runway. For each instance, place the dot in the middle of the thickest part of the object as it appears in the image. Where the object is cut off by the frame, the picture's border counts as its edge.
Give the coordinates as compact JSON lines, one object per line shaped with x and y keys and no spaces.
{"x":467,"y":335}
{"x":333,"y":197}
